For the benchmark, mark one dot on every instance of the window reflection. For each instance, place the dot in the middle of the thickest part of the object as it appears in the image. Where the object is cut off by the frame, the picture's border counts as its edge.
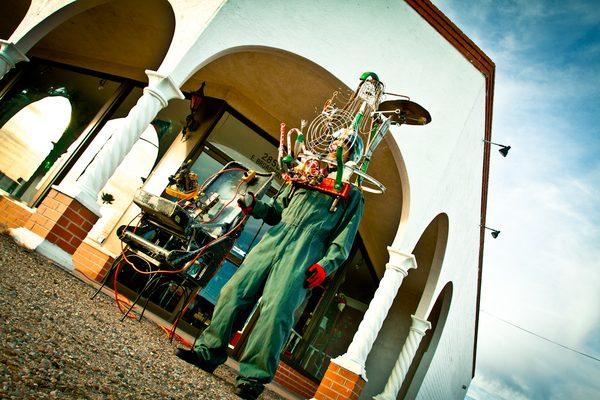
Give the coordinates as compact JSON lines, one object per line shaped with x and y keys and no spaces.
{"x":29,"y":136}
{"x":47,"y":109}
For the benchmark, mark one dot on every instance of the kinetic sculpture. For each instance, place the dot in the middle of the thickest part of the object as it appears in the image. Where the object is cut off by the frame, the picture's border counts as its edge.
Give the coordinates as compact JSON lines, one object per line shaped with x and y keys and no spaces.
{"x":315,"y":219}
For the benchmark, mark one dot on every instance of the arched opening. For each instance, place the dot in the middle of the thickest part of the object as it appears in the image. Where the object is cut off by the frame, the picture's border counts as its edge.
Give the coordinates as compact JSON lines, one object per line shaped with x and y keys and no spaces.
{"x":11,"y":15}
{"x":107,"y":38}
{"x":429,"y":252}
{"x":420,"y":364}
{"x":89,"y":58}
{"x":416,"y":289}
{"x":268,"y":86}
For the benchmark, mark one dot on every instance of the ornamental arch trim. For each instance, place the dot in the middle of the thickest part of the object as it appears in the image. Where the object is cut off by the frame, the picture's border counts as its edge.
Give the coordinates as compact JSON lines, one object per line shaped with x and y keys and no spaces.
{"x":92,"y":31}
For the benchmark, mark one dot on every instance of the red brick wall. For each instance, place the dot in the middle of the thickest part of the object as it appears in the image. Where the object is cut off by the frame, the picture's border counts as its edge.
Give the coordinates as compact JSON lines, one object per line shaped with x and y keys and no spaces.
{"x":339,"y":384}
{"x":13,"y":214}
{"x":91,"y":261}
{"x":62,"y":220}
{"x":292,"y":380}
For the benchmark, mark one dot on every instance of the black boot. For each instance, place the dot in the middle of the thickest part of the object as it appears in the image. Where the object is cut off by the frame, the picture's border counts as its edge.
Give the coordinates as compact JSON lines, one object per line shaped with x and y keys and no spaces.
{"x":249,"y":391}
{"x":190,"y":356}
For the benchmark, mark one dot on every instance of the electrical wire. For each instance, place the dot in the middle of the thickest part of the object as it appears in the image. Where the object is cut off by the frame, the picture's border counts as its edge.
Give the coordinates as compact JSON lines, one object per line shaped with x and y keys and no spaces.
{"x":540,"y":336}
{"x":189,"y":263}
{"x":118,"y":301}
{"x":208,"y":245}
{"x":206,"y":181}
{"x":200,"y":251}
{"x":237,"y":189}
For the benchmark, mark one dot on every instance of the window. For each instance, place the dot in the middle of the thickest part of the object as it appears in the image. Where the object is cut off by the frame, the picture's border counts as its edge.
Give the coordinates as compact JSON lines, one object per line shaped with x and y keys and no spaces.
{"x":28,"y":138}
{"x":42,"y":117}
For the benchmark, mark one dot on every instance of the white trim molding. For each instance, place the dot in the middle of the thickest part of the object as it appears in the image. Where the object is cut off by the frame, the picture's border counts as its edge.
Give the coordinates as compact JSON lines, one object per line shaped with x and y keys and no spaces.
{"x":25,"y":238}
{"x":10,"y":55}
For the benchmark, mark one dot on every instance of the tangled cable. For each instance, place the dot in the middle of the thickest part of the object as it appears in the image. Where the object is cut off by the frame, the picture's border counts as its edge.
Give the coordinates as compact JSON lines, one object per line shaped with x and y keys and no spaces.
{"x":199,"y":252}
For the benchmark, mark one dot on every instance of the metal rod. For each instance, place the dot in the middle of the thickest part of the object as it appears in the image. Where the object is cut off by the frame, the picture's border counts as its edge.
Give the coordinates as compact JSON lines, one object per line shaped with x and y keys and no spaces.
{"x":497,"y":144}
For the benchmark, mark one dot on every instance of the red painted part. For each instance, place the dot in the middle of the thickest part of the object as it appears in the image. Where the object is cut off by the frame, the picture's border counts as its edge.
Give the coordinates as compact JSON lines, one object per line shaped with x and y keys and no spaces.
{"x":327,"y":186}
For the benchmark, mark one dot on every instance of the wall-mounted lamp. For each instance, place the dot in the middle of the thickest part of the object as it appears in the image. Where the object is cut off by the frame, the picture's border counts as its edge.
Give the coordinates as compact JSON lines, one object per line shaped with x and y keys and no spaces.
{"x":503,"y":148}
{"x":495,"y":232}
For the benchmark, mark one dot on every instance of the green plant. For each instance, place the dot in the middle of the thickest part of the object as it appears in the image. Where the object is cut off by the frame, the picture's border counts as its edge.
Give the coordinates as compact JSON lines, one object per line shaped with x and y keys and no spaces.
{"x":107,"y":198}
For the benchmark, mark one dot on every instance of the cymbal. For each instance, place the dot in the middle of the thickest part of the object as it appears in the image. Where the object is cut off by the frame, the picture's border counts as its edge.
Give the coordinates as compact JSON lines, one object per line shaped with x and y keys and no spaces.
{"x":405,"y":112}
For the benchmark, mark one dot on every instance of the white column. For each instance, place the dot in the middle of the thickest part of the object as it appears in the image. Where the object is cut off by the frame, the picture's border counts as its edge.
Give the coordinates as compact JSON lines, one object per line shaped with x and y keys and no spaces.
{"x":417,"y":331}
{"x":156,"y":96}
{"x":9,"y":57}
{"x":395,"y":271}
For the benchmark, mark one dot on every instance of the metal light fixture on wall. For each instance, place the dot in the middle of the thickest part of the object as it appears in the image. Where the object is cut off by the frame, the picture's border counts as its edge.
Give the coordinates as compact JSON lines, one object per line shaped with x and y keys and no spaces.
{"x":503,"y":148}
{"x":495,"y":232}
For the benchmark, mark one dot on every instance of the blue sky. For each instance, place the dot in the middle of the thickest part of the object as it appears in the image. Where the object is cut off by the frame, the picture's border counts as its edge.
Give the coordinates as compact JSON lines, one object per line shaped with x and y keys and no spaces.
{"x":543,"y":272}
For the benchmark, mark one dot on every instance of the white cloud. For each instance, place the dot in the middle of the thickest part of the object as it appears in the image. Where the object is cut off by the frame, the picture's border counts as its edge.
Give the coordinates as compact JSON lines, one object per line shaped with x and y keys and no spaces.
{"x":484,"y":388}
{"x":542,"y":273}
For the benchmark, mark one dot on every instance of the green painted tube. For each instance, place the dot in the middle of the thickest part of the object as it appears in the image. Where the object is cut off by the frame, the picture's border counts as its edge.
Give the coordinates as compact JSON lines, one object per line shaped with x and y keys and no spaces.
{"x":363,"y":168}
{"x":339,"y":155}
{"x":356,"y":123}
{"x":374,"y":130}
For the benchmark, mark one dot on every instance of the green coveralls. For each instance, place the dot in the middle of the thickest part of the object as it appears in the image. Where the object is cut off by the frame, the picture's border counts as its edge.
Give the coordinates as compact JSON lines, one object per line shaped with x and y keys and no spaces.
{"x":275,"y":268}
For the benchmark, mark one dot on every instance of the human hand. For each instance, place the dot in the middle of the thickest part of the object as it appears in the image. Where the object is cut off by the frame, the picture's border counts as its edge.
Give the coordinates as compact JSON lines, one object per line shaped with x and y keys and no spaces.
{"x":247,"y":202}
{"x":315,"y":275}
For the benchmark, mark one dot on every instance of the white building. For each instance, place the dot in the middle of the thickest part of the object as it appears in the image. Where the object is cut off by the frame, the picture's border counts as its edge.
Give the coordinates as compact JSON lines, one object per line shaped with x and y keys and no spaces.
{"x":70,"y":68}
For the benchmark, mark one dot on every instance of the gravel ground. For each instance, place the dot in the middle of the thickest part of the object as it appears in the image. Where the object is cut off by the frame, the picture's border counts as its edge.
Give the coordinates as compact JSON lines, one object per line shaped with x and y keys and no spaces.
{"x":58,"y":344}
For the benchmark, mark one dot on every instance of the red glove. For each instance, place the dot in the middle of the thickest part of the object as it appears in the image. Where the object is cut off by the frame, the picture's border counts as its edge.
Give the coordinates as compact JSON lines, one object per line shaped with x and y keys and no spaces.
{"x":315,"y":275}
{"x":247,"y":202}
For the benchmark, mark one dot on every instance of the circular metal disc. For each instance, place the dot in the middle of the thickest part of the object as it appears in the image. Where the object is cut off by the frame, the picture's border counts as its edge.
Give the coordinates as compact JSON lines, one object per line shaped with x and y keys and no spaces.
{"x":405,"y":112}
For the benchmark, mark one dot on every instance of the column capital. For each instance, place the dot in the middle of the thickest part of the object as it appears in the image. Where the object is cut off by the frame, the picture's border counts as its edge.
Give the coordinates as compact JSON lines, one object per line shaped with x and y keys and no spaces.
{"x":10,"y":54}
{"x":400,"y":261}
{"x":162,"y":88}
{"x":419,"y":325}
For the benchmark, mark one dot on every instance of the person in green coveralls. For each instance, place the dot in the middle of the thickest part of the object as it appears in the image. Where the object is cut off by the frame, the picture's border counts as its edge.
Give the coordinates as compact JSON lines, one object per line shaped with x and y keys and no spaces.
{"x":306,"y":244}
